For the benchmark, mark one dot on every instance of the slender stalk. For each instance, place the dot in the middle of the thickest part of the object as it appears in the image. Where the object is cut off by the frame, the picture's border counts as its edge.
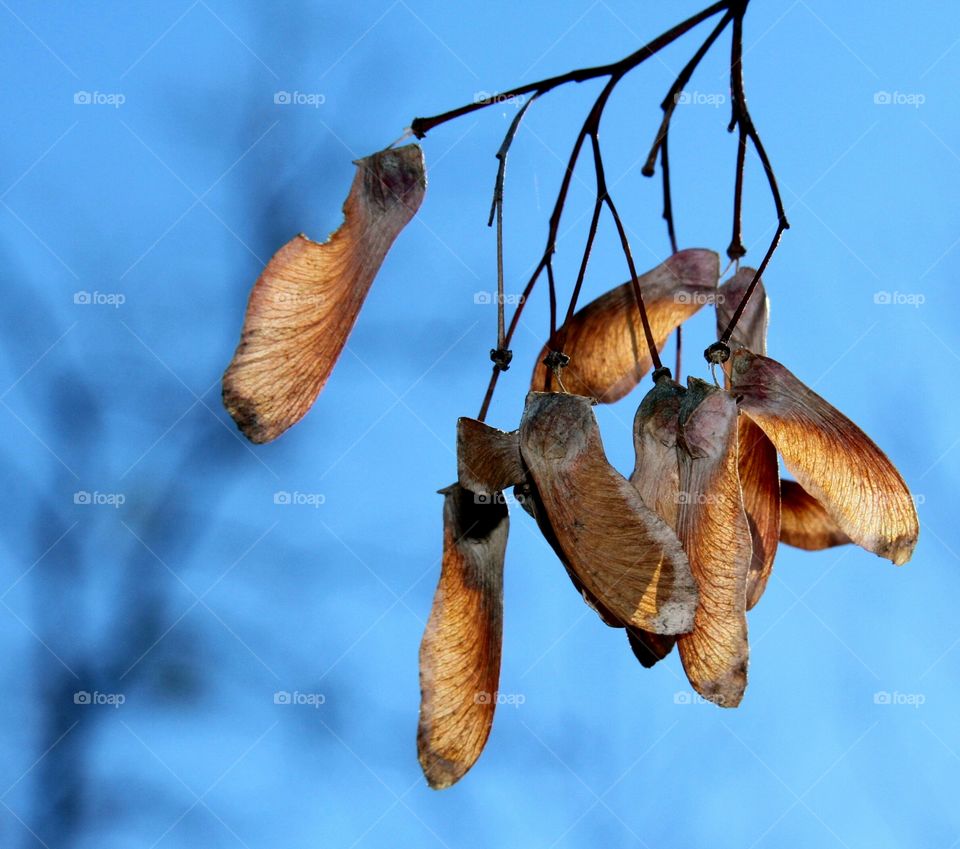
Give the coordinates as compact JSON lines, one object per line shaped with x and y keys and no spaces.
{"x":753,"y":285}
{"x":667,"y":198}
{"x":634,"y":279}
{"x":741,"y":118}
{"x":669,"y":103}
{"x":736,"y":248}
{"x":671,"y":231}
{"x":591,"y":235}
{"x":500,"y":355}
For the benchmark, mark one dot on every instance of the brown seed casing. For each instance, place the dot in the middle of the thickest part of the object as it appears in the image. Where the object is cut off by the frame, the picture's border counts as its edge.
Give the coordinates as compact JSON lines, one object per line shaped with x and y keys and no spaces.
{"x":759,"y":468}
{"x":715,"y":534}
{"x":623,"y":554}
{"x":804,"y":522}
{"x":460,"y":651}
{"x":831,"y":458}
{"x":306,"y":301}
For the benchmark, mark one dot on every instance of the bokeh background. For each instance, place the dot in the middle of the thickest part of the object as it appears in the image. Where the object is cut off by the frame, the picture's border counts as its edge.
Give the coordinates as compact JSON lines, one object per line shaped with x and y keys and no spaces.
{"x":155,"y":599}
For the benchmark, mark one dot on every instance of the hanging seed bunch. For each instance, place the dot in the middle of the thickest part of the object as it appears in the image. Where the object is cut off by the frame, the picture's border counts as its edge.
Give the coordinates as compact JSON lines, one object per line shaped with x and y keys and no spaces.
{"x":676,"y":554}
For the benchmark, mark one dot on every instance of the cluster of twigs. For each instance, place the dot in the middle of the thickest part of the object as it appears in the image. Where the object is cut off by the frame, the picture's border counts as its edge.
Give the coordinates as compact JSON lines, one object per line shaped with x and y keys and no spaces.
{"x":677,"y":553}
{"x":733,"y":12}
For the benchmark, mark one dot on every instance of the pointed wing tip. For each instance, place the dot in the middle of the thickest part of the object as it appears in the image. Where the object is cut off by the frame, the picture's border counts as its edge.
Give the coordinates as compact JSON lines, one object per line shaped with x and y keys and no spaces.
{"x":439,"y":772}
{"x":727,"y":692}
{"x":901,"y":550}
{"x":247,"y":416}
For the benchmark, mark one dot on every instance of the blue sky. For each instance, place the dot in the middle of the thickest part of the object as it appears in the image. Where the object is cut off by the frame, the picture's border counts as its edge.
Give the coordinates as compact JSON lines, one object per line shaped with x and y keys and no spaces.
{"x":147,"y":164}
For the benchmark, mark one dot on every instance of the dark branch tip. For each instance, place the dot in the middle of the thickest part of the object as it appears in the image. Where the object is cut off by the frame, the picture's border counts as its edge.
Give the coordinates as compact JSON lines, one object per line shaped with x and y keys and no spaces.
{"x":556,"y":360}
{"x":501,"y":358}
{"x":717,"y":353}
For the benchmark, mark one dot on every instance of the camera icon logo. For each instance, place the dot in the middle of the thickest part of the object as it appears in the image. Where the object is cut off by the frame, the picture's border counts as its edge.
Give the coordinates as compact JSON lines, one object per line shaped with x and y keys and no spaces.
{"x":81,"y":297}
{"x":82,"y":497}
{"x":282,"y":497}
{"x":82,"y":697}
{"x":281,"y":697}
{"x":882,"y":98}
{"x":482,"y":298}
{"x":82,"y":98}
{"x":881,"y":697}
{"x":681,"y":697}
{"x":882,"y":297}
{"x":282,"y":98}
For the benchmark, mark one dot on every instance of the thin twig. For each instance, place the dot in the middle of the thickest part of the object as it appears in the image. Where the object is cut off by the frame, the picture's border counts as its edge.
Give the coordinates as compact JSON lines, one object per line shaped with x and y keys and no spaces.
{"x":500,"y":355}
{"x":421,"y":126}
{"x":669,"y":103}
{"x":667,"y":197}
{"x":736,"y":248}
{"x":734,"y":11}
{"x":753,"y":283}
{"x":741,"y":117}
{"x":635,"y":280}
{"x":671,"y":230}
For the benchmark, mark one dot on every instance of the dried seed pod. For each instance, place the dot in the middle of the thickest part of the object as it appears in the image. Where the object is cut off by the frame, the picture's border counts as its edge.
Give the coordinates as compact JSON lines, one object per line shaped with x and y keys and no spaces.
{"x":831,"y":458}
{"x":621,"y":552}
{"x":488,"y":460}
{"x":306,"y":301}
{"x":760,"y":484}
{"x":713,"y":527}
{"x":804,"y":522}
{"x":759,"y":468}
{"x":460,"y":652}
{"x":604,"y":340}
{"x":656,"y":476}
{"x":656,"y":472}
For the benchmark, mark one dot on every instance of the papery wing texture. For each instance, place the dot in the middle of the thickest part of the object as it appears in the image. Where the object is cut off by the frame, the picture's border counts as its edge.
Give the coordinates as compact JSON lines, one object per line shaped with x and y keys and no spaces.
{"x":656,"y":476}
{"x":621,"y":552}
{"x":488,"y":459}
{"x":760,"y":484}
{"x":604,"y":340}
{"x":306,"y":301}
{"x":804,"y":521}
{"x":713,"y":527}
{"x":759,"y":469}
{"x":460,"y":651}
{"x":656,"y":471}
{"x":831,"y":458}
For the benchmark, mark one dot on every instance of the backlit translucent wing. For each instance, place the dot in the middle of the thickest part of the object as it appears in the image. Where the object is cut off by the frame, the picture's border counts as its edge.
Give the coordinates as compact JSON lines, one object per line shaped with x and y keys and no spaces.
{"x":605,"y":342}
{"x":831,"y":458}
{"x":460,"y":652}
{"x":622,"y":553}
{"x":306,"y":301}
